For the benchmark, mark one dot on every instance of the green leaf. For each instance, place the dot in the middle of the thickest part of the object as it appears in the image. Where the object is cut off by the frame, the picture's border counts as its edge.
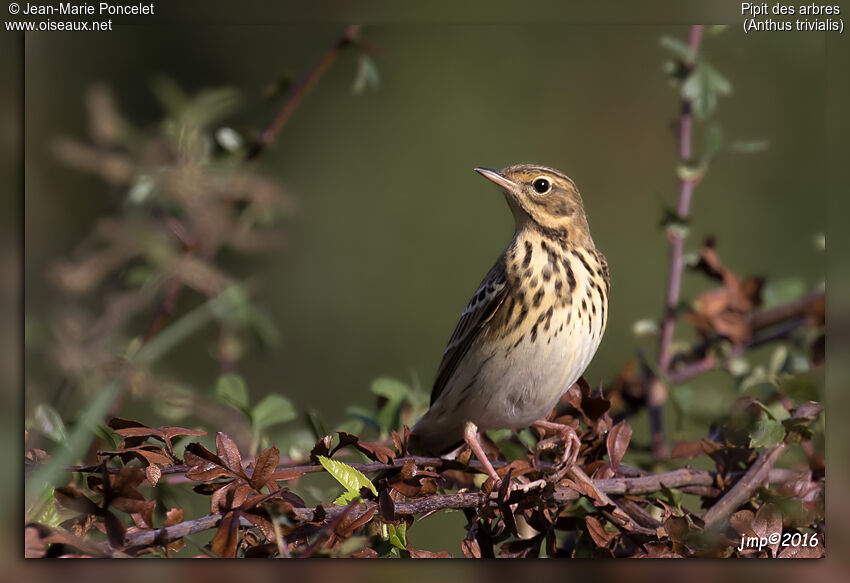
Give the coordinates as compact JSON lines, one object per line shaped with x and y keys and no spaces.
{"x":679,"y":48}
{"x":397,"y":535}
{"x":713,"y":142}
{"x":364,"y":415}
{"x":768,"y":432}
{"x":273,"y":409}
{"x":367,"y":76}
{"x":778,"y":360}
{"x":389,"y":388}
{"x":702,"y":87}
{"x":748,"y":147}
{"x":46,"y":420}
{"x":780,"y":291}
{"x":645,"y":327}
{"x":349,"y":477}
{"x":231,"y":389}
{"x":229,"y":139}
{"x":396,"y":393}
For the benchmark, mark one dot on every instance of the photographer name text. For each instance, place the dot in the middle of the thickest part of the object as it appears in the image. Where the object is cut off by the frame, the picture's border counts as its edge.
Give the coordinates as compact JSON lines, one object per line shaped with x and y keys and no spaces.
{"x":99,"y":9}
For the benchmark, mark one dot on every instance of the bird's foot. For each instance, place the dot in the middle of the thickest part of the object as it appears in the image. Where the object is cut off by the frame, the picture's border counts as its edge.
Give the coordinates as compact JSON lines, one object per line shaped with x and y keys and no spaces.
{"x":473,"y":440}
{"x":572,"y":443}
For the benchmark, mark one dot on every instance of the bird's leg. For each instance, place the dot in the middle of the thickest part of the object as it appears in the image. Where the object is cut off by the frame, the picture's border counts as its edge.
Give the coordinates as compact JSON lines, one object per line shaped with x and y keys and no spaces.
{"x":571,"y":441}
{"x":470,"y":436}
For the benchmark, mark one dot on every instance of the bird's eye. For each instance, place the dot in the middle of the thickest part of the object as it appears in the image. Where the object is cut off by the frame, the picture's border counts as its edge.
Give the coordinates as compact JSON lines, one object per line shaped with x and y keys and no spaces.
{"x":542,"y":186}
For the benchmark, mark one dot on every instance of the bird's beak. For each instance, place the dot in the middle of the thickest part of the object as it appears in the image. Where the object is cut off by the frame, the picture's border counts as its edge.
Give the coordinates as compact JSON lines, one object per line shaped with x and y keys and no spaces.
{"x":494,"y":176}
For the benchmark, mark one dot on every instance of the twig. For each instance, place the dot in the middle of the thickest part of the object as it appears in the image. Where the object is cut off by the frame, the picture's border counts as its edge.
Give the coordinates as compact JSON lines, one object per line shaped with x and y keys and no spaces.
{"x":300,"y":89}
{"x":657,"y":391}
{"x":744,"y":488}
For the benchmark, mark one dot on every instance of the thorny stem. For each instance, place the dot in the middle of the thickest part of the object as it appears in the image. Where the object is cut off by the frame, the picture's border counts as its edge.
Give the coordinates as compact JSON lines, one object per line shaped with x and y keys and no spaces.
{"x":657,"y":391}
{"x":297,"y":93}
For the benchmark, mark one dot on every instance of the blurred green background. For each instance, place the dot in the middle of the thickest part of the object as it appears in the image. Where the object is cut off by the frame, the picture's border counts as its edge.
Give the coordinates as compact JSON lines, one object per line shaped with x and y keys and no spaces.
{"x":394,"y":230}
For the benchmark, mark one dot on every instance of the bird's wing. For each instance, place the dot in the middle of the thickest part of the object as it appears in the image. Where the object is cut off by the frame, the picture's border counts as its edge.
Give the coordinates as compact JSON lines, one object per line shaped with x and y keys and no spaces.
{"x":480,"y":310}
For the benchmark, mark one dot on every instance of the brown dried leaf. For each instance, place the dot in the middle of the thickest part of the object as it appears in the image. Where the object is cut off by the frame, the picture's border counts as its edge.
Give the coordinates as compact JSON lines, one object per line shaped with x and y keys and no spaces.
{"x":322,"y":448}
{"x":153,"y":474}
{"x":367,"y":553}
{"x":618,"y":442}
{"x":285,"y":475}
{"x":173,"y":516}
{"x":70,"y":497}
{"x":205,"y":464}
{"x":350,"y":523}
{"x":470,"y":548}
{"x":229,"y":453}
{"x":264,"y":468}
{"x":423,"y":554}
{"x":226,"y":539}
{"x":597,"y":532}
{"x":522,"y":548}
{"x":725,"y":310}
{"x":768,"y":520}
{"x":742,"y":521}
{"x":677,"y":529}
{"x":387,"y":506}
{"x":262,"y":523}
{"x":802,"y":552}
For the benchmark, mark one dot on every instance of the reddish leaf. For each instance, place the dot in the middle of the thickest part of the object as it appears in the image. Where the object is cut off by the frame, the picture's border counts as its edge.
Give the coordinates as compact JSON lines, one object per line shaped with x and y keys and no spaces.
{"x":205,"y":464}
{"x":768,"y":520}
{"x":387,"y":506}
{"x":522,"y":548}
{"x":71,"y":497}
{"x":367,"y":553}
{"x":618,"y":442}
{"x":349,"y":524}
{"x":322,"y":448}
{"x":229,"y":453}
{"x":470,"y":548}
{"x":230,"y":497}
{"x":173,"y":516}
{"x":226,"y":539}
{"x":597,"y":532}
{"x":262,"y":523}
{"x":742,"y":521}
{"x":153,"y":474}
{"x":422,"y":554}
{"x":376,"y":451}
{"x":725,"y":309}
{"x":284,"y":475}
{"x":264,"y":468}
{"x":802,"y":552}
{"x":677,"y":529}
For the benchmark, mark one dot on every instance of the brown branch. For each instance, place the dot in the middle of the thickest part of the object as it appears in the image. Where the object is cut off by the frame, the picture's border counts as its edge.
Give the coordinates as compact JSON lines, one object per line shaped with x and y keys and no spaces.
{"x":561,"y":494}
{"x":657,"y":391}
{"x":757,"y":475}
{"x":300,"y":89}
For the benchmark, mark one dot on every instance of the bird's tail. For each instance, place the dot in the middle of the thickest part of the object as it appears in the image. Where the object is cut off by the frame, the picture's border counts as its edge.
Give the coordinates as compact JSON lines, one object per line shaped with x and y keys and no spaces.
{"x":433,"y":437}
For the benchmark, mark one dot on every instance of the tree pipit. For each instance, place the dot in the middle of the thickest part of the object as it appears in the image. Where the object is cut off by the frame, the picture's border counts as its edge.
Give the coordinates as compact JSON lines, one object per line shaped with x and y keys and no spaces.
{"x":530,"y":329}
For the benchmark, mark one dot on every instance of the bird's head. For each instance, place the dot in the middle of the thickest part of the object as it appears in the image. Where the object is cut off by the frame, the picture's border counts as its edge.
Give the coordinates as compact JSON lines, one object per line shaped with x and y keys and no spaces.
{"x":544,"y":198}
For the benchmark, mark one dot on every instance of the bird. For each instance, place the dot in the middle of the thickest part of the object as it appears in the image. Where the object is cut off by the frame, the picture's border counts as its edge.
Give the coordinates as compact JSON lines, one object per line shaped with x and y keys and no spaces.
{"x":530,"y":329}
